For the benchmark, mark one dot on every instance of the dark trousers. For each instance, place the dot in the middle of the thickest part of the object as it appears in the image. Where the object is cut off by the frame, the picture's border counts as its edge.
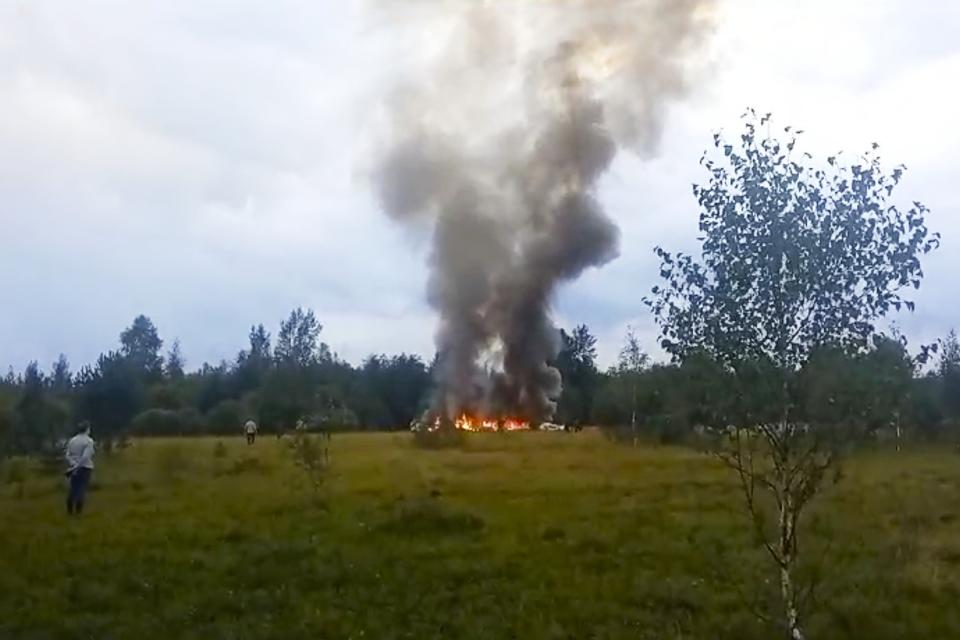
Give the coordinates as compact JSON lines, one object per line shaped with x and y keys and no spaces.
{"x":79,"y":480}
{"x":251,"y":437}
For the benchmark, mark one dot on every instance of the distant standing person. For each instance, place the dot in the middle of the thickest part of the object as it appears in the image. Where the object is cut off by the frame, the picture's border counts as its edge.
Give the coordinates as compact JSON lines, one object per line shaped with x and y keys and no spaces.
{"x":251,"y":430}
{"x":79,"y":455}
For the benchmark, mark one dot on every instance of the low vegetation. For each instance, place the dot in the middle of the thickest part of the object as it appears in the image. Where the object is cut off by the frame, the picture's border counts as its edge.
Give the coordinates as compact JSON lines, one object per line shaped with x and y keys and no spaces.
{"x":535,"y":535}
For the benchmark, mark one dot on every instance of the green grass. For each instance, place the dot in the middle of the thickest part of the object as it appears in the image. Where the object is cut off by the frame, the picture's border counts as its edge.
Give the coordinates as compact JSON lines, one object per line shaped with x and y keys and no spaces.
{"x":535,"y":536}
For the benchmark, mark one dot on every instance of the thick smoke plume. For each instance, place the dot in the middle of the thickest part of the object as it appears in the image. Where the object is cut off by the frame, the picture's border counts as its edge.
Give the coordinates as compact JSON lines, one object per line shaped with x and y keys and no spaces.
{"x":504,"y":117}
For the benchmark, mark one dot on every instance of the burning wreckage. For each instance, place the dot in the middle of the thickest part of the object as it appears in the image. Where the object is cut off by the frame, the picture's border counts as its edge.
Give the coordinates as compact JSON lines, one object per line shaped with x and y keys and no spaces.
{"x":494,"y":140}
{"x":466,"y":423}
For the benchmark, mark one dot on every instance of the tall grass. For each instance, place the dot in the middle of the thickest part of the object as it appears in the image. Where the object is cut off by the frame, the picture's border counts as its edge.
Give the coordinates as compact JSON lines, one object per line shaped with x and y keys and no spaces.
{"x":539,"y":535}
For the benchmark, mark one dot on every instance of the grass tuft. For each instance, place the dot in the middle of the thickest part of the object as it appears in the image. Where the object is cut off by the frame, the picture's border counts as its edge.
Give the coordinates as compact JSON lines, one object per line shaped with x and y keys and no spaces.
{"x":245,"y":465}
{"x":426,"y":516}
{"x":440,"y":439}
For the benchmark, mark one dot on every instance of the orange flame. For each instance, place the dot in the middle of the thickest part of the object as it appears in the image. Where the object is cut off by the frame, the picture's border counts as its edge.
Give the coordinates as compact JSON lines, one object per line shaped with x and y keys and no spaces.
{"x":471,"y":423}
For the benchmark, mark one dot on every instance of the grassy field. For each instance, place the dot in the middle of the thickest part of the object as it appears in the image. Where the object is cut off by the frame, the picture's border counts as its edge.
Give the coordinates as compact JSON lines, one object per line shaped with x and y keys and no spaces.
{"x":530,"y":536}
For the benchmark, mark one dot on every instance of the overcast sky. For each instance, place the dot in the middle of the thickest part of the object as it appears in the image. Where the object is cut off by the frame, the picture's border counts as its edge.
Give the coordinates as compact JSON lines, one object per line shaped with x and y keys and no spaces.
{"x":199,"y":162}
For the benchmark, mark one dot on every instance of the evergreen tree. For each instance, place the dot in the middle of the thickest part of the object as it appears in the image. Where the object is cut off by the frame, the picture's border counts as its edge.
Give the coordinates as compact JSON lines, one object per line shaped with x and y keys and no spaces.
{"x":60,"y":378}
{"x":174,"y":362}
{"x":39,"y":420}
{"x":949,"y":370}
{"x":578,"y":371}
{"x":110,"y":394}
{"x":252,"y":364}
{"x":140,"y":345}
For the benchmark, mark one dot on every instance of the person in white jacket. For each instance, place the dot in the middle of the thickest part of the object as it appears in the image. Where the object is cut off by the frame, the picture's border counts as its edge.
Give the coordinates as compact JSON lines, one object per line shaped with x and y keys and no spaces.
{"x":79,"y":454}
{"x":250,"y":429}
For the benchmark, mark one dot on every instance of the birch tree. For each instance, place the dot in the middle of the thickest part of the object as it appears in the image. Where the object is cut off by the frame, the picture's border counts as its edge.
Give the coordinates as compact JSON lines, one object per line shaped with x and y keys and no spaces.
{"x":798,"y":258}
{"x":631,"y":364}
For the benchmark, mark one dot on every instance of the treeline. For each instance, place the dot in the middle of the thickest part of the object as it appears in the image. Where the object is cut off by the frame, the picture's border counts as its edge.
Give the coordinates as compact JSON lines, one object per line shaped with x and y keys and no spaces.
{"x":883,"y":390}
{"x":138,"y":389}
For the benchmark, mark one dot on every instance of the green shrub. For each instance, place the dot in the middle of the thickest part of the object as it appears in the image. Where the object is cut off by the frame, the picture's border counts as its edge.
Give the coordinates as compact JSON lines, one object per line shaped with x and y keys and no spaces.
{"x":191,"y":420}
{"x":166,"y":396}
{"x":6,"y":430}
{"x":552,"y":534}
{"x":665,"y":431}
{"x":225,"y":418}
{"x":619,"y":434}
{"x":16,"y":471}
{"x":310,"y":453}
{"x":426,"y":516}
{"x":159,"y":422}
{"x":243,"y":466}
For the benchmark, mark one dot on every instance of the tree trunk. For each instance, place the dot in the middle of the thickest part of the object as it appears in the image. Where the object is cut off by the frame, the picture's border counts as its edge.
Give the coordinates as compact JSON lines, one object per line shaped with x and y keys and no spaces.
{"x":787,"y":552}
{"x":789,"y":598}
{"x":896,"y":418}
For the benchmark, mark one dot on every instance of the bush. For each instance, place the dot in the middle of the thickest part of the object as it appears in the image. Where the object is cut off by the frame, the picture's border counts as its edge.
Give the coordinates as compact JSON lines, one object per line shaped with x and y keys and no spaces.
{"x":655,"y":432}
{"x":671,"y":432}
{"x":15,"y":472}
{"x":426,"y":516}
{"x":619,"y":434}
{"x":244,"y":466}
{"x":35,"y":428}
{"x":311,"y":455}
{"x":552,"y":534}
{"x":191,"y":420}
{"x":159,"y":422}
{"x":165,"y":396}
{"x":6,"y":430}
{"x":226,"y":418}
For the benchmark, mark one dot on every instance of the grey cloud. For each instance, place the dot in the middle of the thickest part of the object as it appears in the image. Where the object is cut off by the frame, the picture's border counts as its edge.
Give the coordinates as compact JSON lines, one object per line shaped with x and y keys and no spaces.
{"x":195,"y":161}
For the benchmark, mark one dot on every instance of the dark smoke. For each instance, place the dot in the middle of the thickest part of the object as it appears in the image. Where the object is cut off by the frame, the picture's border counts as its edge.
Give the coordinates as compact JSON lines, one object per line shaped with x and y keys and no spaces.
{"x":497,"y":134}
